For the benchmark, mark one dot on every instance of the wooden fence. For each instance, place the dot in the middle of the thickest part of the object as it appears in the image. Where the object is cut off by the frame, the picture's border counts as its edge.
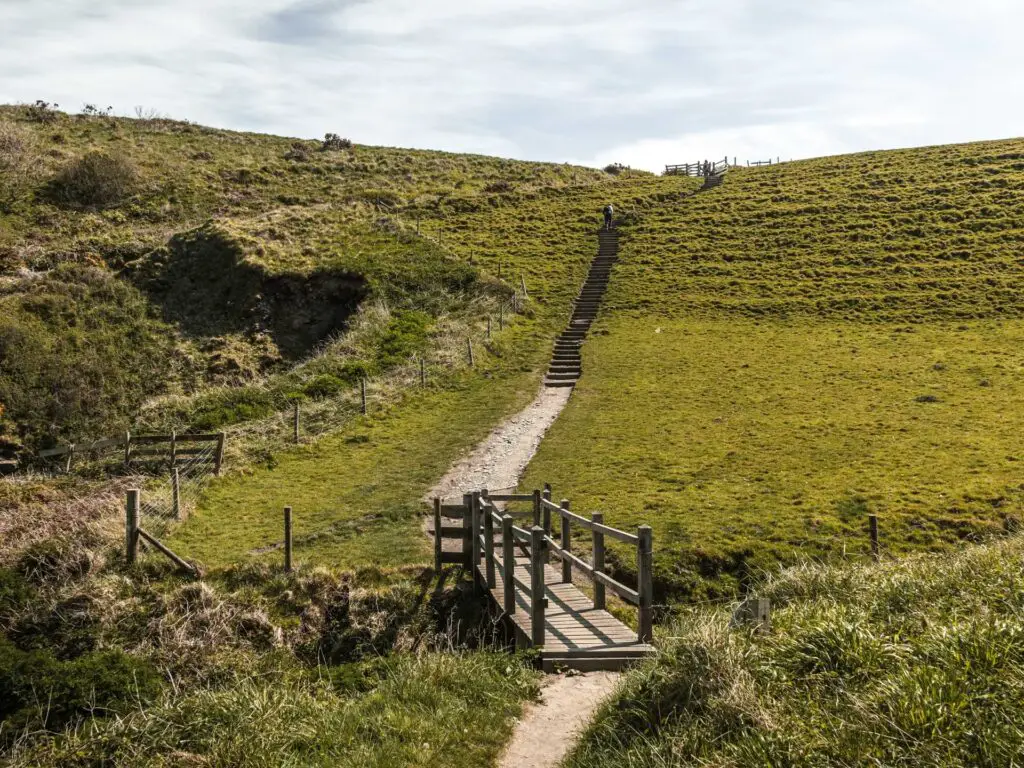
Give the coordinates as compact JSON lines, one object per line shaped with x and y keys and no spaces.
{"x":705,"y":168}
{"x":482,"y":521}
{"x":143,"y":448}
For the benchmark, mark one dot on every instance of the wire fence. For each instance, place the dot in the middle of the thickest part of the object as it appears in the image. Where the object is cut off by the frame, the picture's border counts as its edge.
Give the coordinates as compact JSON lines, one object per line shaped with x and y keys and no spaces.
{"x":173,"y":493}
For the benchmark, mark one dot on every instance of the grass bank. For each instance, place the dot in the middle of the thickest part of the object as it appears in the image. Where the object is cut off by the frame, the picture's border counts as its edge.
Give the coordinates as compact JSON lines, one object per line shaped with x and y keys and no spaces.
{"x":910,"y":663}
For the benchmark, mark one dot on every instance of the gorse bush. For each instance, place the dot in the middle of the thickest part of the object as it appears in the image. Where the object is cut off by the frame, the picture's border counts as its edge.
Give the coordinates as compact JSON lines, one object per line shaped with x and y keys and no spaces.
{"x":333,"y":141}
{"x":96,"y":180}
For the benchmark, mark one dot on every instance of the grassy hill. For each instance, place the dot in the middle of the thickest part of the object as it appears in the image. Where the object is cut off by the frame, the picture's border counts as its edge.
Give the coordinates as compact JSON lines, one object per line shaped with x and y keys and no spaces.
{"x":911,"y":663}
{"x":225,"y":258}
{"x":804,"y":346}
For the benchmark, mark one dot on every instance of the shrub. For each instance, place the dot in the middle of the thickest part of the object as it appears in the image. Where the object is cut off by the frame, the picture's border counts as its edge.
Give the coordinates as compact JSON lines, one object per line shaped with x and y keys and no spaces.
{"x":297,"y":152}
{"x":42,"y":112}
{"x":498,"y":187}
{"x":228,"y":407}
{"x":333,"y":141}
{"x":37,"y":690}
{"x":324,"y":385}
{"x":16,"y":157}
{"x":96,"y":180}
{"x":614,"y":169}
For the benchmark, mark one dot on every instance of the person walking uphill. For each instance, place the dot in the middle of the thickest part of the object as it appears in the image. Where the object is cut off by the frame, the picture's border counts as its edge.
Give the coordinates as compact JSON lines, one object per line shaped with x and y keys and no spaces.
{"x":608,"y":213}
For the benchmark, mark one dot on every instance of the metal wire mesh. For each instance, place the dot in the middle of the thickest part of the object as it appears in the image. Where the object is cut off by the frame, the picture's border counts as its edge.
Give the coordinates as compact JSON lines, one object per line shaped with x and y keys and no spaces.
{"x":174,"y":494}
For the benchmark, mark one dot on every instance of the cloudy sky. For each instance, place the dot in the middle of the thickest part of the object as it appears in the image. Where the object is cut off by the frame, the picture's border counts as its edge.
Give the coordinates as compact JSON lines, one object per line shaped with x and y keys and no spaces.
{"x":645,"y":82}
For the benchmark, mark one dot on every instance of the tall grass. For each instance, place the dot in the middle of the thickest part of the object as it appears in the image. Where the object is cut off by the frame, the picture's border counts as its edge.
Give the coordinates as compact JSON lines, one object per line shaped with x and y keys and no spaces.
{"x":918,"y":662}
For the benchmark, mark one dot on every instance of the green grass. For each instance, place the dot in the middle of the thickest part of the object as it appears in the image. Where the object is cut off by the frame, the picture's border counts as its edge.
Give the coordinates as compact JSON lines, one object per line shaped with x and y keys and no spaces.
{"x":912,"y":663}
{"x":438,"y":709}
{"x":802,"y":347}
{"x":355,"y":495}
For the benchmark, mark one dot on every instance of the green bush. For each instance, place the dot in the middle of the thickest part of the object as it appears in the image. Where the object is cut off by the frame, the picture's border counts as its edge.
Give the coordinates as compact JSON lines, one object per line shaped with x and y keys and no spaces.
{"x":226,"y":407}
{"x":324,"y":385}
{"x":406,"y":333}
{"x":38,"y":691}
{"x":95,"y":180}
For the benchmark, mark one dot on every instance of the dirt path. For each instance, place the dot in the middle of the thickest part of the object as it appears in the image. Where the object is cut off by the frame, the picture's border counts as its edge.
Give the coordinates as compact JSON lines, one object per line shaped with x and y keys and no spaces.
{"x":498,"y":462}
{"x":549,"y":729}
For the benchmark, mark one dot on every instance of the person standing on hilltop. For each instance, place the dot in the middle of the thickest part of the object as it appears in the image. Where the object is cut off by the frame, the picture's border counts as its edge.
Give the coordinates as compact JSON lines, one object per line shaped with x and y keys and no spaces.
{"x":608,"y":213}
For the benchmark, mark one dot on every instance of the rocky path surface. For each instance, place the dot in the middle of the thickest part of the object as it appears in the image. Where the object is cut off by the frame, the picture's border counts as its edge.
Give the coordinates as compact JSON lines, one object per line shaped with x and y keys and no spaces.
{"x":498,"y":462}
{"x":549,"y":728}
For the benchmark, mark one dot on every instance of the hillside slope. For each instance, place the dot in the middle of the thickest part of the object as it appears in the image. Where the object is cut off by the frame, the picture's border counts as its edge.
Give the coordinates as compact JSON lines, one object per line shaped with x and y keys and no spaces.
{"x":804,"y":346}
{"x":225,"y":258}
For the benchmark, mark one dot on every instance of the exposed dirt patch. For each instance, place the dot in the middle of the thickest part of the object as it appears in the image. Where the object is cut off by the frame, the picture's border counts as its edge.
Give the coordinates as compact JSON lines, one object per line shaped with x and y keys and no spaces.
{"x":549,"y":729}
{"x":498,"y":462}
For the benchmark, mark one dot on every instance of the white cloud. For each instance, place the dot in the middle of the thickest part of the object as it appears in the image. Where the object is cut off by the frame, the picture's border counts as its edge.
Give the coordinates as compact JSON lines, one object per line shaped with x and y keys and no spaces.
{"x":646,"y":83}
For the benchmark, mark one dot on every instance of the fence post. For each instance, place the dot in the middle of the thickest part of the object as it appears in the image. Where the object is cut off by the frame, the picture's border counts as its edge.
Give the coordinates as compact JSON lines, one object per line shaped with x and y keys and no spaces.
{"x":287,"y":539}
{"x":566,"y":544}
{"x":488,"y":543}
{"x":467,"y":530}
{"x":501,"y":316}
{"x":475,"y":515}
{"x":176,"y":493}
{"x":423,"y":372}
{"x":488,"y":327}
{"x":131,"y":526}
{"x":174,"y":447}
{"x":522,"y":282}
{"x":362,"y":394}
{"x":437,"y":535}
{"x":295,"y":426}
{"x":876,"y":551}
{"x":547,"y":510}
{"x":71,"y":455}
{"x":645,"y":587}
{"x":508,"y":553}
{"x":127,"y":447}
{"x":219,"y":460}
{"x":537,"y":598}
{"x":536,"y":507}
{"x":499,"y":269}
{"x":599,"y":596}
{"x":469,"y":348}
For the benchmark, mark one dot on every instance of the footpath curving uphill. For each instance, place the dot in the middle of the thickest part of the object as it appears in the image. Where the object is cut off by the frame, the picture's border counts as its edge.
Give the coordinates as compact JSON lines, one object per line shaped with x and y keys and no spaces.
{"x":567,"y":364}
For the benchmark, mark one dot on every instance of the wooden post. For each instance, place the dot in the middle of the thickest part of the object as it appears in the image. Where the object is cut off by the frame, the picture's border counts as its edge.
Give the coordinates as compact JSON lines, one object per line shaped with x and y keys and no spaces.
{"x":295,"y":425}
{"x":499,"y":269}
{"x":423,"y":372}
{"x":127,"y":447}
{"x":362,"y":394}
{"x":219,"y":460}
{"x":501,"y":316}
{"x":876,"y":551}
{"x":644,"y":583}
{"x":536,"y":507}
{"x":467,"y":530}
{"x":469,"y":348}
{"x":475,"y":515}
{"x":566,"y":544}
{"x":488,"y":544}
{"x":522,"y":282}
{"x":174,"y":448}
{"x":515,"y":301}
{"x":508,"y":556}
{"x":287,"y":539}
{"x":547,"y":511}
{"x":488,"y":327}
{"x":176,"y":493}
{"x":71,"y":455}
{"x":131,"y":526}
{"x":537,"y":599}
{"x":417,"y":225}
{"x":599,"y":596}
{"x":437,"y":535}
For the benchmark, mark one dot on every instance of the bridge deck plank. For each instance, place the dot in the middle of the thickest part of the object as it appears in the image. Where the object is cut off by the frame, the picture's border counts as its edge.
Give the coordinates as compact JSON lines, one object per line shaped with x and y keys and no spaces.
{"x":573,"y":628}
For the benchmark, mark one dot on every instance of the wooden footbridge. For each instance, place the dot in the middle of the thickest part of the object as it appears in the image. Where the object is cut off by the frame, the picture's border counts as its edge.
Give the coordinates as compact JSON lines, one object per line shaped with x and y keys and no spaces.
{"x":539,"y":600}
